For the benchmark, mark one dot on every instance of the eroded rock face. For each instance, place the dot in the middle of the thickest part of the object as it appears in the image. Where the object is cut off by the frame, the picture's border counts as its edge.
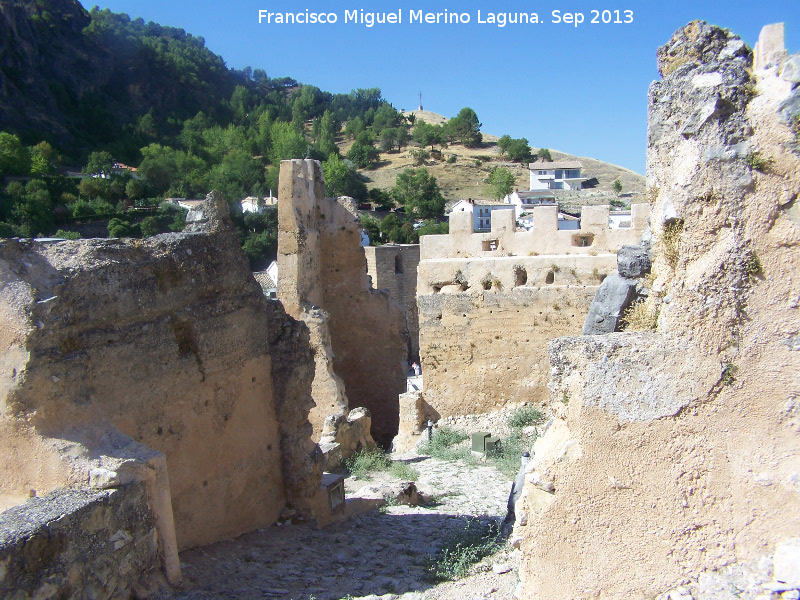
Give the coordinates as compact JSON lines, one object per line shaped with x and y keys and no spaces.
{"x":687,"y":436}
{"x":171,"y":341}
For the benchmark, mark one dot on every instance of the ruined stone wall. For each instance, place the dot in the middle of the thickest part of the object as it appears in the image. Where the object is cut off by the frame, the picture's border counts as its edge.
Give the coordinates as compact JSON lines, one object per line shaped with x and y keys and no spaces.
{"x":81,"y":544}
{"x":485,"y":323}
{"x":675,"y":452}
{"x":594,"y":237}
{"x":393,"y":267}
{"x":323,"y":278}
{"x":170,"y":340}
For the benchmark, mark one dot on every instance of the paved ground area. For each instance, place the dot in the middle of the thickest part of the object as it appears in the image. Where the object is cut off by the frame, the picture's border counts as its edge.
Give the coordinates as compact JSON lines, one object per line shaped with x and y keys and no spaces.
{"x":381,"y":553}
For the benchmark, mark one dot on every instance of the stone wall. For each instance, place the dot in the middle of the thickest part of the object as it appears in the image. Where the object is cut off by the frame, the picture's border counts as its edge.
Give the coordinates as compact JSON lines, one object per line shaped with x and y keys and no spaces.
{"x":675,"y":452}
{"x":359,"y":334}
{"x":171,"y":341}
{"x":393,"y":267}
{"x":81,"y":544}
{"x":474,"y":310}
{"x":595,"y":236}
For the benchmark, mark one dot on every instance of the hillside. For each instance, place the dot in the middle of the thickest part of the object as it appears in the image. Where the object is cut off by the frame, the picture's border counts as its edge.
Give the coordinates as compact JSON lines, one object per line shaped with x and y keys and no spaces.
{"x":466,"y":177}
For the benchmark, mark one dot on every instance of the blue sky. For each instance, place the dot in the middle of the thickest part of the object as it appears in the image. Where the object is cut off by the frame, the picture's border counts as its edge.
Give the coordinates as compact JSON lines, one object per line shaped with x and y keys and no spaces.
{"x":581,"y":90}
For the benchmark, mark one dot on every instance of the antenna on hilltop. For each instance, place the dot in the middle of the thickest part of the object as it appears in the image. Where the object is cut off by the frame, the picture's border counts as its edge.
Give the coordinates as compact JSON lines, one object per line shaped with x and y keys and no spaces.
{"x":420,"y":101}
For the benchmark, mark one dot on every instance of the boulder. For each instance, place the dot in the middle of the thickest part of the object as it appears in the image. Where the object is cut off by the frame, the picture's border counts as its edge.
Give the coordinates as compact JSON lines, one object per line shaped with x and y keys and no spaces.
{"x":616,"y":293}
{"x":633,"y":261}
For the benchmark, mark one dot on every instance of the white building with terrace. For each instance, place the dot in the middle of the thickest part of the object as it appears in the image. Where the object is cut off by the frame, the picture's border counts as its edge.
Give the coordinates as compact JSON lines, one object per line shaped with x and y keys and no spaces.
{"x":563,"y":175}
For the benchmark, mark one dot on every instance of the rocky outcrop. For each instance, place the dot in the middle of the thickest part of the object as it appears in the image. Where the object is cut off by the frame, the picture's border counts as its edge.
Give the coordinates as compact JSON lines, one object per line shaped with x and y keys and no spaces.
{"x":344,"y":436}
{"x":165,"y":343}
{"x":675,"y":451}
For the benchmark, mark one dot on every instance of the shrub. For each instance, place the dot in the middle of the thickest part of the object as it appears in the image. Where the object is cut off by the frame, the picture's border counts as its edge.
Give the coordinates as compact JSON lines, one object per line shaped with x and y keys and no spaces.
{"x":753,"y":264}
{"x":465,"y":547}
{"x":729,"y":374}
{"x":525,"y":416}
{"x":67,"y":235}
{"x":506,"y":457}
{"x":442,"y":444}
{"x":362,"y":463}
{"x":403,"y":471}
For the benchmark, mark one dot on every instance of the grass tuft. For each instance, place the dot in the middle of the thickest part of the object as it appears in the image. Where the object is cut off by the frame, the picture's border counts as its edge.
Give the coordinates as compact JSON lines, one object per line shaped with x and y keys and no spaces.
{"x":465,"y":547}
{"x":640,"y":317}
{"x":671,"y":240}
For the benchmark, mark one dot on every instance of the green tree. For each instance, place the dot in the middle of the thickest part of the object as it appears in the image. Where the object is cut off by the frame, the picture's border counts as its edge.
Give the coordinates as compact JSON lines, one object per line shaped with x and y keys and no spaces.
{"x":617,"y":186}
{"x":286,"y":143}
{"x":99,"y":162}
{"x":341,"y":178}
{"x":544,"y":154}
{"x":373,"y":229}
{"x":14,"y":158}
{"x":354,"y":127}
{"x":381,"y":198}
{"x":518,"y":150}
{"x":388,"y":139}
{"x":385,"y":117}
{"x":428,"y":135}
{"x":501,"y":183}
{"x":149,"y":227}
{"x":418,"y":192}
{"x":465,"y":127}
{"x":42,"y":160}
{"x":503,"y":143}
{"x":33,"y":210}
{"x":326,"y":142}
{"x":362,"y":155}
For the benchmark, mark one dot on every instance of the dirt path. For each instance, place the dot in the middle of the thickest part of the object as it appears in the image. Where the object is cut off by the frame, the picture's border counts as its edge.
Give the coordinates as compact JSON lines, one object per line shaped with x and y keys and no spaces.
{"x":381,"y":553}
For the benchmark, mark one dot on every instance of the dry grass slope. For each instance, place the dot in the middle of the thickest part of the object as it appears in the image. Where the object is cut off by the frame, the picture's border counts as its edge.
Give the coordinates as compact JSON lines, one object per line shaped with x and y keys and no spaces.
{"x":466,"y":177}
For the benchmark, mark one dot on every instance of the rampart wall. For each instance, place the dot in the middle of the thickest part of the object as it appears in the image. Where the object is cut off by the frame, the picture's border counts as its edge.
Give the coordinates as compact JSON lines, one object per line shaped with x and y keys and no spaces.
{"x":545,"y":238}
{"x":489,"y":303}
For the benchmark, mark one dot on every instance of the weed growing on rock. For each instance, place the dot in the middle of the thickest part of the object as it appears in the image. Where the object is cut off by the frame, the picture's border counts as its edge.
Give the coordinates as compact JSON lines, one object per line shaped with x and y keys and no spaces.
{"x":758,"y":162}
{"x":652,"y":194}
{"x":671,"y":239}
{"x":753,"y":264}
{"x":476,"y":540}
{"x":640,"y":317}
{"x":750,"y":90}
{"x":729,"y":374}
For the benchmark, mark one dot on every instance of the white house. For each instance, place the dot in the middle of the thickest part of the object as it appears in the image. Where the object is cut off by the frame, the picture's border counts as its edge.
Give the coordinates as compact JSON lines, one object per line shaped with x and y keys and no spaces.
{"x":565,"y":221}
{"x":481,"y":211}
{"x":184,"y":203}
{"x":255,"y":205}
{"x":268,"y":280}
{"x":563,"y":175}
{"x":619,"y":219}
{"x":525,"y":201}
